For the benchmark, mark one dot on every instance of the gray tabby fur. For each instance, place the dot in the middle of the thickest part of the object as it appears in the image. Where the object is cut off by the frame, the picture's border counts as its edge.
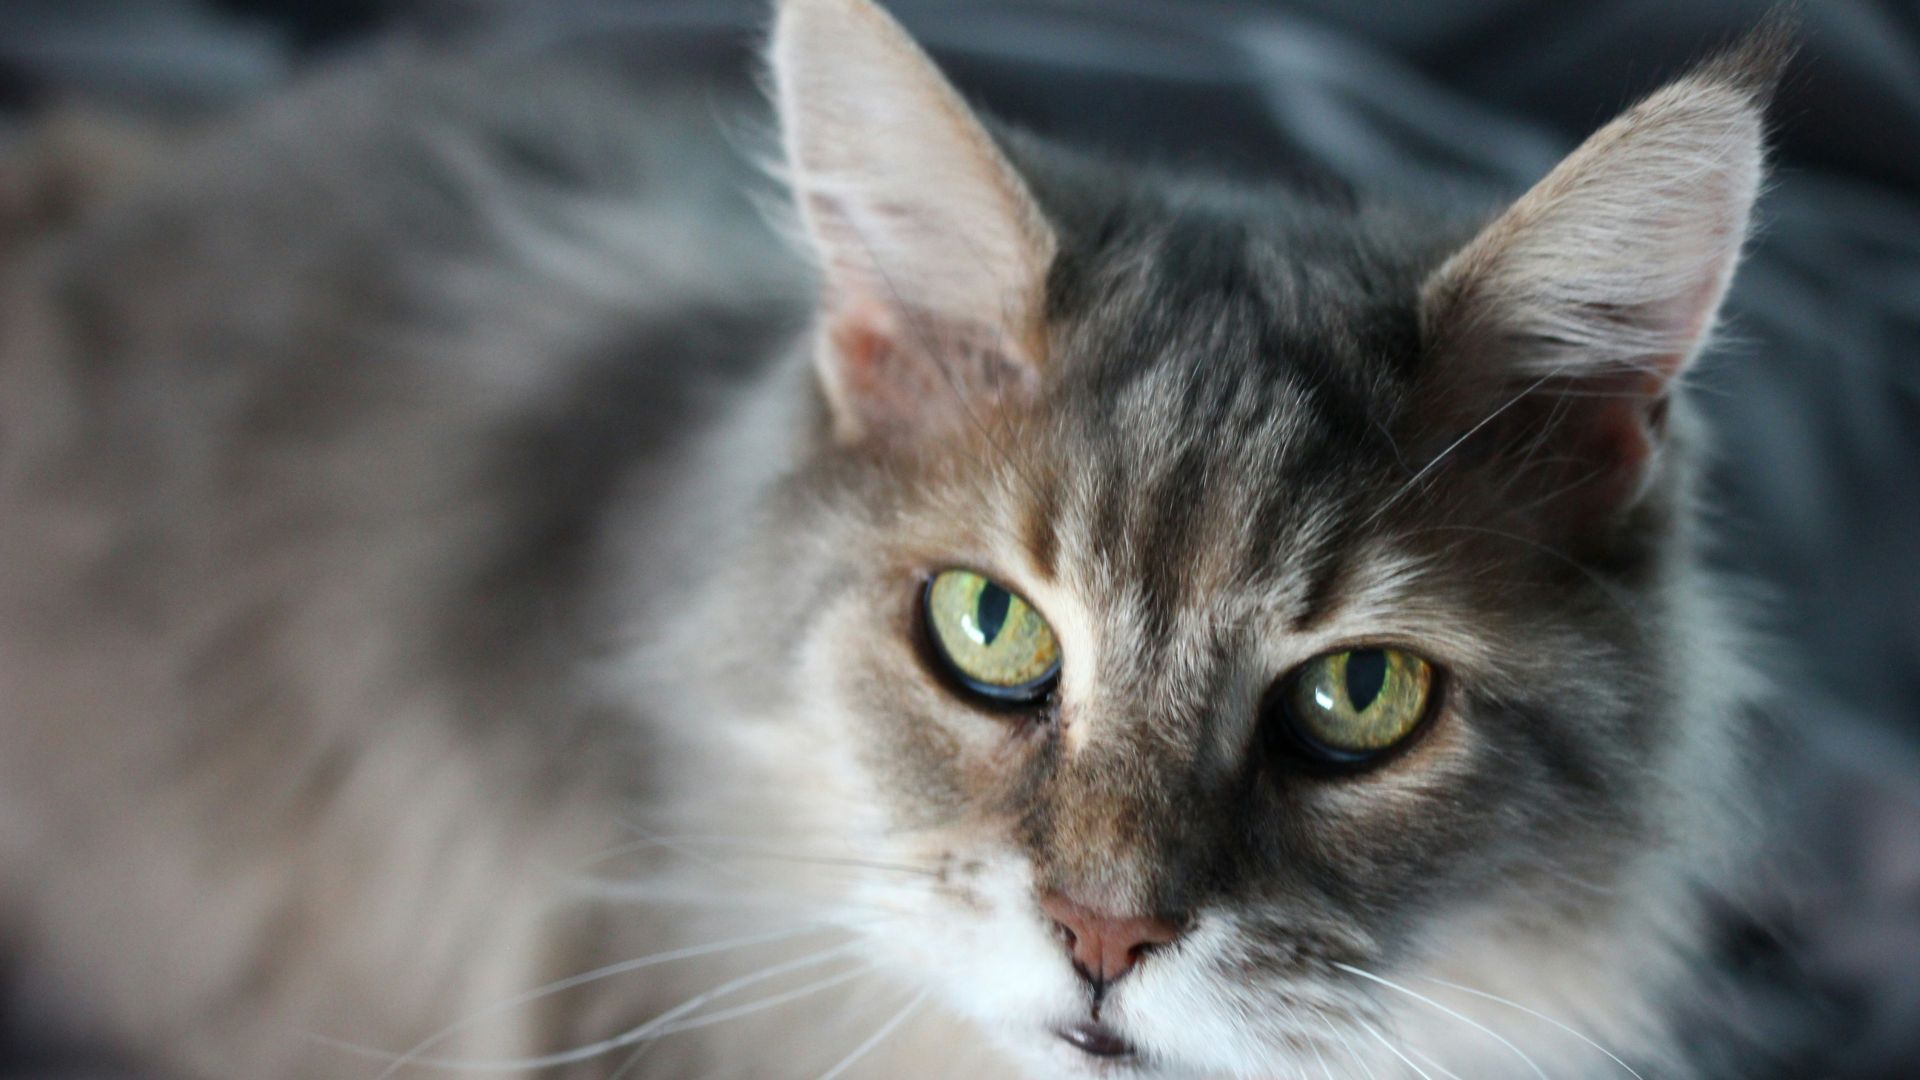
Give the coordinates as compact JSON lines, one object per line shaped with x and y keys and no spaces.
{"x":430,"y":567}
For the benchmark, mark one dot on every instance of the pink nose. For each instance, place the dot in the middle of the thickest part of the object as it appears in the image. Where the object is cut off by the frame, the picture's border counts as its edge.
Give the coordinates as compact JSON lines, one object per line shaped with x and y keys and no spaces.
{"x":1105,"y":947}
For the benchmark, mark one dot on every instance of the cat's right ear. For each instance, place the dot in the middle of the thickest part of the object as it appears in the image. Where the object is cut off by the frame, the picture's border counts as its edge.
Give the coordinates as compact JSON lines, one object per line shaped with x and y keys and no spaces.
{"x":932,"y":252}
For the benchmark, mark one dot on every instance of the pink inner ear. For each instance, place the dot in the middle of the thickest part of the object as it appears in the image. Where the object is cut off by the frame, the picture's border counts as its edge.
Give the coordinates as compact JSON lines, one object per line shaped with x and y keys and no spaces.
{"x":905,"y":382}
{"x":1618,"y":431}
{"x":878,"y":383}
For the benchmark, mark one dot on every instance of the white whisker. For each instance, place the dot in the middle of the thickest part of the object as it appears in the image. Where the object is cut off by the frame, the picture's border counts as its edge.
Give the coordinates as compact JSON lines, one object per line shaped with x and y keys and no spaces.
{"x":676,"y":846}
{"x":1353,"y":1054}
{"x":1432,"y":1064}
{"x":723,"y":1015}
{"x":1325,"y":1070}
{"x":663,"y":1027}
{"x":1293,"y":1017}
{"x":750,"y":848}
{"x":634,"y":1059}
{"x":1384,"y":1041}
{"x":1469,"y":1021}
{"x":631,"y":847}
{"x":678,"y":893}
{"x":411,"y":1056}
{"x":1536,"y":1015}
{"x":1415,"y":479}
{"x":877,"y":1037}
{"x":734,"y":1013}
{"x":633,"y":1035}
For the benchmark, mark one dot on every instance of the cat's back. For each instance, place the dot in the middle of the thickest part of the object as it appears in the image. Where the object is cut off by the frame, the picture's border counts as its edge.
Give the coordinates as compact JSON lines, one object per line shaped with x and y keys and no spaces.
{"x":476,"y":224}
{"x":352,"y":376}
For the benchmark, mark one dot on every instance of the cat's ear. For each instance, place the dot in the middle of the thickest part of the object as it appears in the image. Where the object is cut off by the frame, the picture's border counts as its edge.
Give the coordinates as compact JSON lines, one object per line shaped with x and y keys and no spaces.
{"x":1580,"y":304}
{"x":932,"y":251}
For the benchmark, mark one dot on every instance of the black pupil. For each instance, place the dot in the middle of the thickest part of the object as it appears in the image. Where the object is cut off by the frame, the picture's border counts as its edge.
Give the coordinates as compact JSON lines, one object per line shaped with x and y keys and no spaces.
{"x":1366,"y":674}
{"x":990,"y":614}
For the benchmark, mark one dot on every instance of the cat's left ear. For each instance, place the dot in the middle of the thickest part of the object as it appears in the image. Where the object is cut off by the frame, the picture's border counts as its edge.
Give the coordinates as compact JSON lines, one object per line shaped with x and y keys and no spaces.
{"x":933,"y":253}
{"x":1574,"y":311}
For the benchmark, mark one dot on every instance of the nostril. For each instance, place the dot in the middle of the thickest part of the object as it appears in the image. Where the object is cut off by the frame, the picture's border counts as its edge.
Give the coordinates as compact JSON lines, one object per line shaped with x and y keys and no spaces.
{"x":1104,"y":947}
{"x":1153,"y":935}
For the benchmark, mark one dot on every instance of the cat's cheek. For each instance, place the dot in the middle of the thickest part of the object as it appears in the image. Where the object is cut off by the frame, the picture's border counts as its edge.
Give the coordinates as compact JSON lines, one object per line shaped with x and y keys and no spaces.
{"x":944,"y":779}
{"x":1403,"y":816}
{"x":929,"y":760}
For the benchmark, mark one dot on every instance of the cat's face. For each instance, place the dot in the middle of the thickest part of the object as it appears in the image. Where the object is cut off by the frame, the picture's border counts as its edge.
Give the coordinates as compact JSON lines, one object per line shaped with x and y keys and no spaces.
{"x":1207,"y":463}
{"x":1192,"y":535}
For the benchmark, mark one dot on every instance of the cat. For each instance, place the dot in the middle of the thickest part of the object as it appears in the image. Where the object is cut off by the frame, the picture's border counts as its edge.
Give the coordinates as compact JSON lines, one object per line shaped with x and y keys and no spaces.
{"x":478,"y":593}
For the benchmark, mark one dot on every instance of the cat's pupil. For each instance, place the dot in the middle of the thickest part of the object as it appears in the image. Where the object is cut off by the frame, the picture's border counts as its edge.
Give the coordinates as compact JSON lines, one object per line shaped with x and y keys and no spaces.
{"x":990,"y":614}
{"x":1366,"y":674}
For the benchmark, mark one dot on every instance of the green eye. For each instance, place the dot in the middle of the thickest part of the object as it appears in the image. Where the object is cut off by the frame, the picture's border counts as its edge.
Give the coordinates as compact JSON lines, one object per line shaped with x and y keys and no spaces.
{"x":993,"y":641}
{"x":1349,"y":706}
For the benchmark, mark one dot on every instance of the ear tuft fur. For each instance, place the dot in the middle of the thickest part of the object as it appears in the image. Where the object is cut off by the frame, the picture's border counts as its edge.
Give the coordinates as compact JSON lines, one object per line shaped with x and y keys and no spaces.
{"x":1758,"y":62}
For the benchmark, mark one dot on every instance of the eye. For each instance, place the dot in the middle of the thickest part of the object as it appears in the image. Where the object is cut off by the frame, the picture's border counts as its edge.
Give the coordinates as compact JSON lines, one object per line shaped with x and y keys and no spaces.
{"x":989,"y":638}
{"x":1348,"y":707}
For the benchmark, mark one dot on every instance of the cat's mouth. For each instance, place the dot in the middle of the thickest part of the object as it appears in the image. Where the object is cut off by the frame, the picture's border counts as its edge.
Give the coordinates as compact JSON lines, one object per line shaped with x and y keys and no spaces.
{"x":1095,"y":1039}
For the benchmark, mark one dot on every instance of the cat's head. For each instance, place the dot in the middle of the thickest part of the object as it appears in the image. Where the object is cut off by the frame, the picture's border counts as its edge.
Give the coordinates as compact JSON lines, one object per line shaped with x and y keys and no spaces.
{"x":1220,"y":599}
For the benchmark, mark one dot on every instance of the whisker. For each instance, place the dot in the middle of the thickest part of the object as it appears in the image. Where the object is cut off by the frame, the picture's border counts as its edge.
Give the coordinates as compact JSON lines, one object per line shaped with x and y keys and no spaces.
{"x":737,"y":1011}
{"x":1415,"y":479}
{"x":749,"y":848}
{"x":848,"y":861}
{"x":1353,"y":1054}
{"x":1293,"y":1017}
{"x":877,"y":1037}
{"x":634,"y":1059}
{"x":723,"y":1015}
{"x":1384,"y":1041}
{"x":1434,"y":1065}
{"x":1537,"y":1015}
{"x":676,"y":845}
{"x":631,"y":847}
{"x":682,"y":894}
{"x":1469,"y":1021}
{"x":401,"y":1061}
{"x":647,"y":1030}
{"x":832,"y":860}
{"x":754,"y":849}
{"x":1325,"y":1070}
{"x":626,"y":1038}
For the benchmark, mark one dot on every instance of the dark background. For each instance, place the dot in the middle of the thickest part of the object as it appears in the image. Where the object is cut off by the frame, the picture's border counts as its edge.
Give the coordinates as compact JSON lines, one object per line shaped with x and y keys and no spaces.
{"x":1815,"y":390}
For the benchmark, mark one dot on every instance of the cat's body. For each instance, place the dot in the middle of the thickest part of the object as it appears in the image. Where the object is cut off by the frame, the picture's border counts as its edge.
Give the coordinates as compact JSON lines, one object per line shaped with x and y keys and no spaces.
{"x":419,"y":491}
{"x":386,"y":483}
